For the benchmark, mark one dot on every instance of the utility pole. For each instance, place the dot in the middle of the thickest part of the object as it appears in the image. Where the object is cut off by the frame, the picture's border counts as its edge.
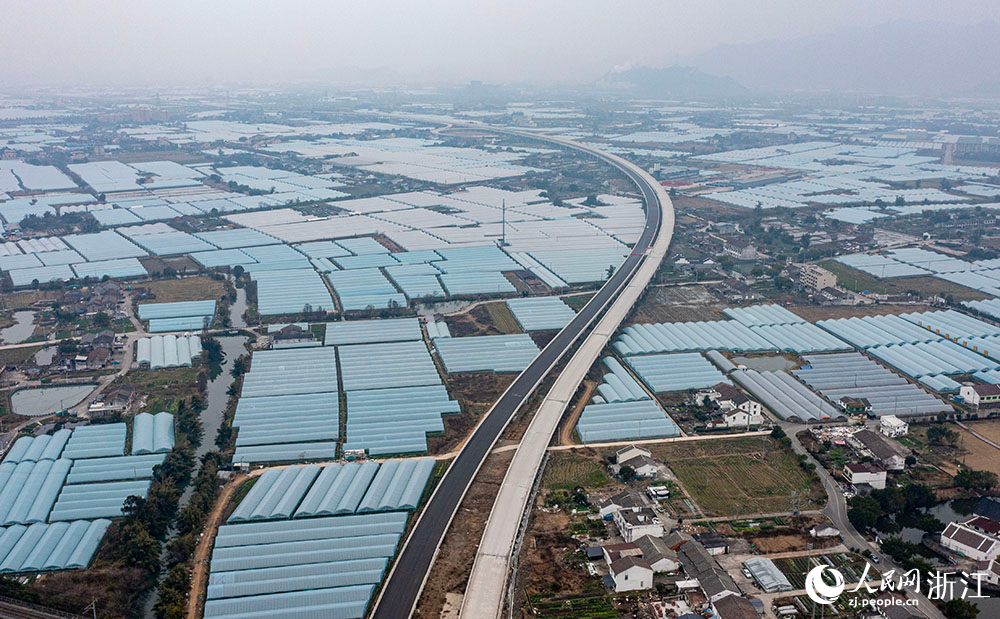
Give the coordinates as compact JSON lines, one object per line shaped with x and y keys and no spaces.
{"x":503,"y":225}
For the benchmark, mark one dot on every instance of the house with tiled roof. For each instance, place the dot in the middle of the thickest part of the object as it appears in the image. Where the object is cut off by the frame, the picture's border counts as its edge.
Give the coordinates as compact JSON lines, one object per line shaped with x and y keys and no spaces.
{"x":966,"y":541}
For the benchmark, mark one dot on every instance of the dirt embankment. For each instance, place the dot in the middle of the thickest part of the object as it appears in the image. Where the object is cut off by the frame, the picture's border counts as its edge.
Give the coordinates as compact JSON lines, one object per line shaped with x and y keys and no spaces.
{"x":451,"y":570}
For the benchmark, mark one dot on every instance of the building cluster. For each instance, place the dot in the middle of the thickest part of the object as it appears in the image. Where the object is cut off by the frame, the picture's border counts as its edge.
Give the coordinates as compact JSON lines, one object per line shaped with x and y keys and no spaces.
{"x":731,"y":408}
{"x":977,"y":539}
{"x":878,"y":456}
{"x":679,"y":561}
{"x":652,"y":552}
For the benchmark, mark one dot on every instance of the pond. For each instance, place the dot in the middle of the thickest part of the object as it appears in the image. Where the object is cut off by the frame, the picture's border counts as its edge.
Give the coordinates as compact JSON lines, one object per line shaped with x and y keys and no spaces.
{"x":48,"y":400}
{"x":23,"y":327}
{"x":951,"y":511}
{"x":46,"y":356}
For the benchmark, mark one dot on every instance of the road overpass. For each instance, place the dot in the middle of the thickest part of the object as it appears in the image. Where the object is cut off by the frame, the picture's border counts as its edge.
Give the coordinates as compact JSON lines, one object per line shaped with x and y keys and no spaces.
{"x":401,"y":591}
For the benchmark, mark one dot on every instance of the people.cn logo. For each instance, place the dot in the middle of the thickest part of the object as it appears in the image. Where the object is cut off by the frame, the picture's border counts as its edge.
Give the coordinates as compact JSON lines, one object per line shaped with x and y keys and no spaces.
{"x":818,"y":590}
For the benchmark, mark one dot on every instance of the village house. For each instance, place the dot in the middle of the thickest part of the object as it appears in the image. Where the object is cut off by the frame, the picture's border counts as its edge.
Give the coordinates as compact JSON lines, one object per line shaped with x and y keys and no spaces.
{"x":644,"y":466}
{"x":293,"y":336}
{"x":656,"y":552}
{"x":630,"y":452}
{"x":963,"y":539}
{"x":855,"y":406}
{"x":981,"y":397}
{"x":734,"y":409}
{"x":714,"y":543}
{"x":630,"y":574}
{"x":734,"y":607}
{"x":892,"y":426}
{"x":699,"y":565}
{"x":862,"y":474}
{"x":98,"y":358}
{"x":881,"y":450}
{"x":115,"y":400}
{"x":635,"y":524}
{"x":624,"y":500}
{"x":613,"y":552}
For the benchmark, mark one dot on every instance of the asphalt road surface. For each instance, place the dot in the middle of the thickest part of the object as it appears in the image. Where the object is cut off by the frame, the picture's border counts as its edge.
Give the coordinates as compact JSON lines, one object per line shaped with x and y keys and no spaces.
{"x":406,"y":580}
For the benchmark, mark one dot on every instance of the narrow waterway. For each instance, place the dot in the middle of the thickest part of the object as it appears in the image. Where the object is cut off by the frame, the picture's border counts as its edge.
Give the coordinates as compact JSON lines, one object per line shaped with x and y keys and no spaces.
{"x":215,"y":392}
{"x":237,"y":308}
{"x":20,"y":330}
{"x":216,"y":399}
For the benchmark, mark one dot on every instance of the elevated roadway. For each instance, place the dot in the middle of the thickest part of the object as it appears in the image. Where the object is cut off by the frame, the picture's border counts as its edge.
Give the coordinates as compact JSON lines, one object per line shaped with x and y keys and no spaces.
{"x":484,"y":596}
{"x":401,"y":591}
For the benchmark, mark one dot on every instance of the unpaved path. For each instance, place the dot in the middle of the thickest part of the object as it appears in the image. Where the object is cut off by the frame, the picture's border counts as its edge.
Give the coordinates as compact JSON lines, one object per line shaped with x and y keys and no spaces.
{"x":202,"y":553}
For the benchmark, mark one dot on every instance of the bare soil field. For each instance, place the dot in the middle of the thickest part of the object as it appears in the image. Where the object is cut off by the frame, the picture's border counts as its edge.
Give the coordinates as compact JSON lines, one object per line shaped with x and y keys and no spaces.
{"x":706,"y":207}
{"x":184,"y":289}
{"x":859,"y":281}
{"x":546,"y":566}
{"x":812,"y":313}
{"x":479,"y":388}
{"x":476,"y":321}
{"x":677,"y":304}
{"x":26,"y":298}
{"x":975,"y":453}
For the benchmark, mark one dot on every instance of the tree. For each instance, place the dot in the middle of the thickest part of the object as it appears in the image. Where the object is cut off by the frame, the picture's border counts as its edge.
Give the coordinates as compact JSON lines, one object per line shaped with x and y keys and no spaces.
{"x":102,"y":320}
{"x":976,"y":481}
{"x":172,"y":600}
{"x":610,"y":271}
{"x":238,"y":271}
{"x":138,"y":547}
{"x":959,"y":609}
{"x":240,"y":366}
{"x":627,"y":473}
{"x":777,"y":432}
{"x":942,"y":435}
{"x":919,"y":496}
{"x":863,"y":511}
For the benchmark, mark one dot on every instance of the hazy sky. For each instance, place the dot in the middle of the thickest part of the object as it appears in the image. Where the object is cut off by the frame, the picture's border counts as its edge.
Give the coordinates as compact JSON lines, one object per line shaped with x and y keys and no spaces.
{"x":177,"y":42}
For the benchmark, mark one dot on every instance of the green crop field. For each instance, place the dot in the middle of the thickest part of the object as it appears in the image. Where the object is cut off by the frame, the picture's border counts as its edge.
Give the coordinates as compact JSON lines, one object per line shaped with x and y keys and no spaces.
{"x":742,"y":476}
{"x":502,"y":318}
{"x":566,"y":471}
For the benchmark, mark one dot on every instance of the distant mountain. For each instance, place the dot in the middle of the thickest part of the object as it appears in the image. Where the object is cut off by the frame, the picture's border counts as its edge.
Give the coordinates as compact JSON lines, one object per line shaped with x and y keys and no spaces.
{"x":670,"y":82}
{"x":897,"y":57}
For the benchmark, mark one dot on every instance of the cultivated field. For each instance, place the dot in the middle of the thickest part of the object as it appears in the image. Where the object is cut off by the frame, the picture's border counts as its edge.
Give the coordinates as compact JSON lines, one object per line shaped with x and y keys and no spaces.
{"x":741,"y":476}
{"x":502,"y":317}
{"x":567,"y":470}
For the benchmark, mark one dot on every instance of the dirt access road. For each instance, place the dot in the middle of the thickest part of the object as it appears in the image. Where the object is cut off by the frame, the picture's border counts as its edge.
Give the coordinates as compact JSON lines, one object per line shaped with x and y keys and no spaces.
{"x":203,"y":552}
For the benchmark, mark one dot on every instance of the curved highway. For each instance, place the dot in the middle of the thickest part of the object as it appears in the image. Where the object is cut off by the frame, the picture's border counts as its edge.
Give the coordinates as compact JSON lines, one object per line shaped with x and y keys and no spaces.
{"x":399,"y":595}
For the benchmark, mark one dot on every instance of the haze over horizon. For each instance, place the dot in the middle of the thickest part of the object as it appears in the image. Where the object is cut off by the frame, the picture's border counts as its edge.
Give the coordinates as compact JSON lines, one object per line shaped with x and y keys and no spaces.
{"x":62,"y":43}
